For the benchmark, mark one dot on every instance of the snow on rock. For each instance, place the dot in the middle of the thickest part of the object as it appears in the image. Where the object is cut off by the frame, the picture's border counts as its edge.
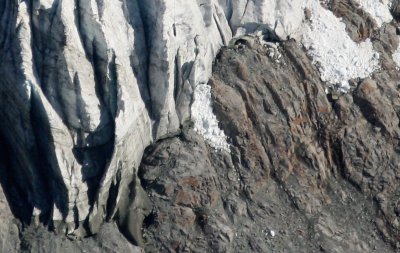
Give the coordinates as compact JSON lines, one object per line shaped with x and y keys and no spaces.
{"x":283,"y":17}
{"x":396,"y":57}
{"x":378,"y":9}
{"x":205,"y":122}
{"x":338,"y":60}
{"x":185,"y":38}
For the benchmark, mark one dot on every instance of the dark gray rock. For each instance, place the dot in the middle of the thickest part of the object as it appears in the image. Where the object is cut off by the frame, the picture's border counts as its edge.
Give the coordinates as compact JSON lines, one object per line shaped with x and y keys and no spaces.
{"x":37,"y":239}
{"x":319,"y":173}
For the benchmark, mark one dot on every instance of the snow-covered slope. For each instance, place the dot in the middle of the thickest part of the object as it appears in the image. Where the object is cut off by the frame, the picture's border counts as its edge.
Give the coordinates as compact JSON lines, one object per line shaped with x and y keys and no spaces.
{"x":337,"y":56}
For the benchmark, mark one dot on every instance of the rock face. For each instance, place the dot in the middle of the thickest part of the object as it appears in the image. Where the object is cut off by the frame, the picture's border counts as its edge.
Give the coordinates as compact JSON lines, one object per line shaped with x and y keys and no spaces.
{"x":307,"y":172}
{"x":86,"y":86}
{"x":295,"y":180}
{"x":108,"y":240}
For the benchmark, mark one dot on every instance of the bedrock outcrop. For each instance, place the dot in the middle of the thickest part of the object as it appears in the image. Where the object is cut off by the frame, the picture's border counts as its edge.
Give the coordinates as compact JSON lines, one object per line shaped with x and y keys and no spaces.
{"x":310,"y":169}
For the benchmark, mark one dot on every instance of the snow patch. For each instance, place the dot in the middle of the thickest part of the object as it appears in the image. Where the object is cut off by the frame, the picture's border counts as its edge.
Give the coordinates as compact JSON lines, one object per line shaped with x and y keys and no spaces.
{"x":337,"y":57}
{"x":205,"y":122}
{"x":378,"y":9}
{"x":396,"y":57}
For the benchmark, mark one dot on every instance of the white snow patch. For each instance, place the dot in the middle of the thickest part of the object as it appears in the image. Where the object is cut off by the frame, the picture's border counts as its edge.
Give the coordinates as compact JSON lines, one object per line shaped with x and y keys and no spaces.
{"x":396,"y":57}
{"x":205,"y":122}
{"x":378,"y":9}
{"x":336,"y":55}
